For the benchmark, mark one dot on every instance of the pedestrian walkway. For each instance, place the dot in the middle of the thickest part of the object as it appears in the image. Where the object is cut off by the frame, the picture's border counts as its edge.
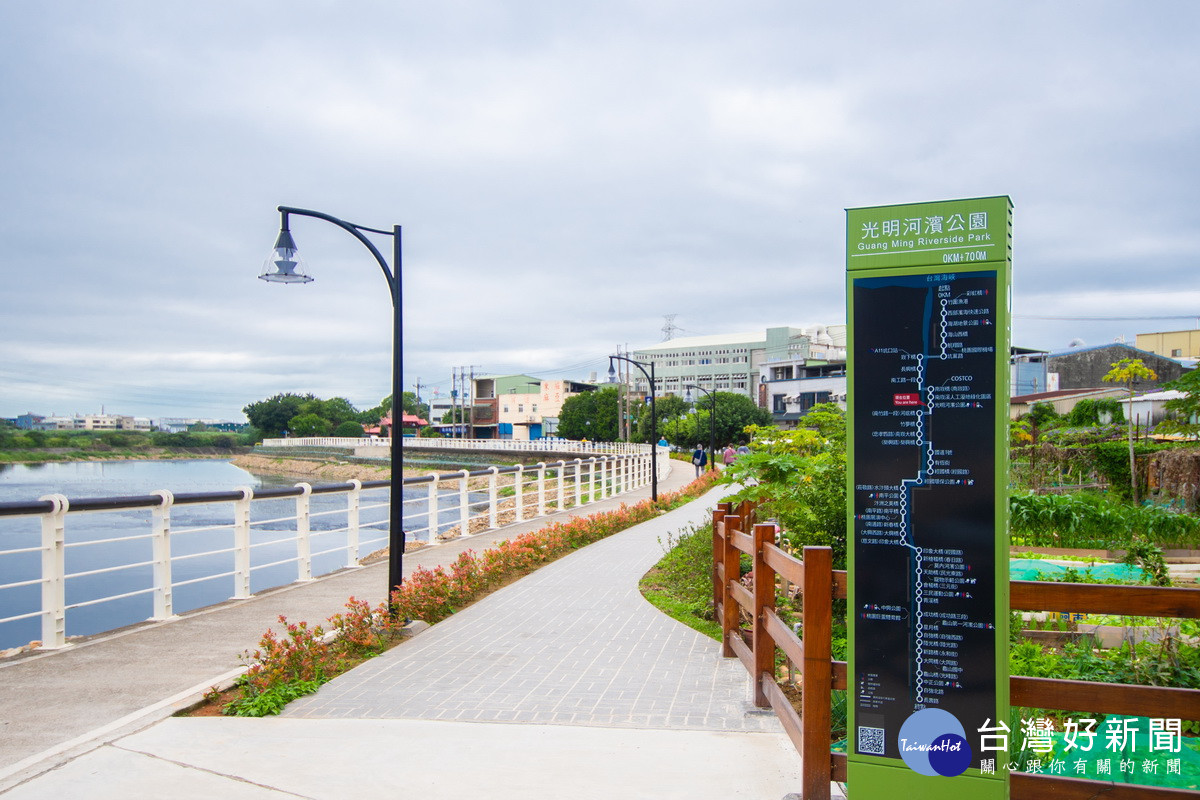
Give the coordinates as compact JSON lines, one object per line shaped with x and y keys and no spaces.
{"x":566,"y":683}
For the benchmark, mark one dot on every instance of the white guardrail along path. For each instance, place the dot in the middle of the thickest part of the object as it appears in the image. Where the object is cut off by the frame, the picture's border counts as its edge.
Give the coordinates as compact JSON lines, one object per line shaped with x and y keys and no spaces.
{"x":158,"y":555}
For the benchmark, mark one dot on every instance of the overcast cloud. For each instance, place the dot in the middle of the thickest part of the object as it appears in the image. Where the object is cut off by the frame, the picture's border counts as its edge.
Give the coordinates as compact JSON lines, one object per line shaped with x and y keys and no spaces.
{"x":566,"y":174}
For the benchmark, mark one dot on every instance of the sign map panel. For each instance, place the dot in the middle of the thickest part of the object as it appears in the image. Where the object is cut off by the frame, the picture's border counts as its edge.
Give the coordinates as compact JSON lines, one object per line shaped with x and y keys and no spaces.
{"x":924,"y":500}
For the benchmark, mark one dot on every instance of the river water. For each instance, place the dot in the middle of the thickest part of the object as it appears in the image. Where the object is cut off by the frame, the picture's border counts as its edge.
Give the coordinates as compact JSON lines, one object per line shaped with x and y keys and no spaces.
{"x":270,"y":542}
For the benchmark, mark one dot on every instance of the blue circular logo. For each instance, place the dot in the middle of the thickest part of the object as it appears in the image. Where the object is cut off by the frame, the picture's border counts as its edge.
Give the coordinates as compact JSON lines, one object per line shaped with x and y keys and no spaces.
{"x":933,"y":742}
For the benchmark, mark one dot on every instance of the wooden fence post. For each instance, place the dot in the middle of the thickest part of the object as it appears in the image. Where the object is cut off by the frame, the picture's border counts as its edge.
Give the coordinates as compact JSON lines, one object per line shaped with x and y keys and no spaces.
{"x":764,"y":599}
{"x":731,"y":561}
{"x":718,"y":518}
{"x":815,"y":693}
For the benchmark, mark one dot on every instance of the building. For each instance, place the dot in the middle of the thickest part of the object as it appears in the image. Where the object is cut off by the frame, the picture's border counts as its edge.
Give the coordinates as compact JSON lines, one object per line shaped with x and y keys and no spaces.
{"x":1172,"y":344}
{"x":733,"y":362}
{"x":88,"y":422}
{"x":410,"y":425}
{"x":28,"y":421}
{"x":1150,"y":409}
{"x":1061,"y":400}
{"x":1027,"y":372}
{"x":520,"y":407}
{"x":790,"y":387}
{"x":1085,"y":367}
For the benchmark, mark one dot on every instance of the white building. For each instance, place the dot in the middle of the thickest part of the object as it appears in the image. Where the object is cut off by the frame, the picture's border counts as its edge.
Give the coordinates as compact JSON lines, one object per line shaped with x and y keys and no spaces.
{"x":733,"y":362}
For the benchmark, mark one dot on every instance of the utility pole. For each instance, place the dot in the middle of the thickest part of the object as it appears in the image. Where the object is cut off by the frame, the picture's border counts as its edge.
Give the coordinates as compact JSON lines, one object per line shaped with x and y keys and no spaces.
{"x":624,"y":399}
{"x":417,"y":389}
{"x":454,"y":402}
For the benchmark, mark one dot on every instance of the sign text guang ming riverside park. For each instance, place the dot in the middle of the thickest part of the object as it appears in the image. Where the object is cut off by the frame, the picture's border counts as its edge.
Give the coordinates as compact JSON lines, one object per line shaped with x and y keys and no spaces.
{"x":927,"y":294}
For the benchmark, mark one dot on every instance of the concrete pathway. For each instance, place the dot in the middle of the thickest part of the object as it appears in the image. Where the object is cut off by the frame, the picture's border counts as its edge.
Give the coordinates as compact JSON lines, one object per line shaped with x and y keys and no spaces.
{"x":566,"y":683}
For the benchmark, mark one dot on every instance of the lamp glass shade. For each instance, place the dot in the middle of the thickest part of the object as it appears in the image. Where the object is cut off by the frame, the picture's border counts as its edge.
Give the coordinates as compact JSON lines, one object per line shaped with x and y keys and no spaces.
{"x":612,"y":372}
{"x":284,"y":264}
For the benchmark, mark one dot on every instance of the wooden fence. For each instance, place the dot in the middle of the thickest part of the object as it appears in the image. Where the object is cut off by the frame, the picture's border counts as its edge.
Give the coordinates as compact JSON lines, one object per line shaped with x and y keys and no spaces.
{"x":735,"y":532}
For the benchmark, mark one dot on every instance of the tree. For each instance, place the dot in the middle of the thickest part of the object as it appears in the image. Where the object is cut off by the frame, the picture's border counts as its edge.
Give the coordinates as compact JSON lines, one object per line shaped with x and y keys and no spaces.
{"x":734,"y":413}
{"x":1089,"y":411}
{"x":1126,"y":372}
{"x":665,"y":408}
{"x":348,"y":429}
{"x":408,"y":402}
{"x":336,"y":410}
{"x":272,"y":416}
{"x":309,"y":425}
{"x":591,"y":416}
{"x":801,"y":477}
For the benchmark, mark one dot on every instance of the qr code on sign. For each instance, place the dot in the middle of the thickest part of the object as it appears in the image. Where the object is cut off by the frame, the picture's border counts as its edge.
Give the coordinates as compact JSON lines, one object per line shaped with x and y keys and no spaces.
{"x":870,"y":741}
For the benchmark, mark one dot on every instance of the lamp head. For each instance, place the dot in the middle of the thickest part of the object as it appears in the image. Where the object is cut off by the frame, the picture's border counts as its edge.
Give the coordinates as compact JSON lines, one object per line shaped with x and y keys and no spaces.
{"x":612,"y":371}
{"x":284,"y":264}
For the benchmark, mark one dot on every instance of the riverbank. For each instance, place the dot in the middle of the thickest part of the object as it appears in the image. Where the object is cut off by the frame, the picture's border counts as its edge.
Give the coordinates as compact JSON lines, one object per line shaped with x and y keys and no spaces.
{"x":318,"y":470}
{"x":56,"y":454}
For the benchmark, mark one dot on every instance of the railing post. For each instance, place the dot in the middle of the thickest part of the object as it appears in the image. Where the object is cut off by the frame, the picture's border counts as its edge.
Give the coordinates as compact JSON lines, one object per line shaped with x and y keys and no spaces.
{"x":519,"y":485}
{"x":578,"y":482}
{"x":431,"y":496}
{"x":541,"y":489}
{"x":54,"y":567}
{"x":241,"y":545}
{"x":604,"y":478}
{"x":464,"y":504}
{"x":731,"y":560}
{"x":562,"y":485}
{"x":303,"y":531}
{"x":353,"y":503}
{"x":764,"y":599}
{"x":815,"y":691}
{"x":493,"y":497}
{"x":161,"y":555}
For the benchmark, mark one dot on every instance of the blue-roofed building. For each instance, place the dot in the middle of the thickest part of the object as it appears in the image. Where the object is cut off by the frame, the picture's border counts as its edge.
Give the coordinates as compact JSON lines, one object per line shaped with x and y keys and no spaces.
{"x":1085,"y":367}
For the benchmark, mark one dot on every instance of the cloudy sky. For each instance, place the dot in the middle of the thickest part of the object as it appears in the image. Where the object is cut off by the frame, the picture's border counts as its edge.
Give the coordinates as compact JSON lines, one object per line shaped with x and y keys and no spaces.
{"x":566,"y":175}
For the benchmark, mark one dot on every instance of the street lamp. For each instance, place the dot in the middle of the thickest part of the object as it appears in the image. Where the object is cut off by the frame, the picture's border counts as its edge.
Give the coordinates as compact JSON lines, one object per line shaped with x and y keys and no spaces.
{"x":285,"y":266}
{"x":612,"y":378}
{"x":712,"y":418}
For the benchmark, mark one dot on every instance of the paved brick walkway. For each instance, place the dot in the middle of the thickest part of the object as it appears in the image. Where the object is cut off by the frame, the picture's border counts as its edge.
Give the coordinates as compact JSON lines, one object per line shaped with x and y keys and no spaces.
{"x":574,"y":643}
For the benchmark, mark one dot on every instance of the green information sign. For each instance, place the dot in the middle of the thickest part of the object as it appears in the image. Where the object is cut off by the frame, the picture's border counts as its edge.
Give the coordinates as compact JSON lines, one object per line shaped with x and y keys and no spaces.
{"x":953,"y":233}
{"x":927,"y":293}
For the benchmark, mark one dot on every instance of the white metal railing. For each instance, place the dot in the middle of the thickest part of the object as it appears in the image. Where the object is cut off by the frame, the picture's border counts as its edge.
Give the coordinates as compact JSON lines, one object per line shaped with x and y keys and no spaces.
{"x":543,"y":445}
{"x":222,"y":540}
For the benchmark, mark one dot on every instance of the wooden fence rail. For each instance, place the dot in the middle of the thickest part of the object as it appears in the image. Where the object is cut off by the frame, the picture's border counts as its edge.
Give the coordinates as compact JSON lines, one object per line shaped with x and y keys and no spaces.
{"x":753,"y":596}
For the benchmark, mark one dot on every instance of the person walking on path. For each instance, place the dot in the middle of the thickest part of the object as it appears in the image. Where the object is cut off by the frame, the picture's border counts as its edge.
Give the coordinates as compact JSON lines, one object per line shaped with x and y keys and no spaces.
{"x":699,"y":459}
{"x":729,"y":455}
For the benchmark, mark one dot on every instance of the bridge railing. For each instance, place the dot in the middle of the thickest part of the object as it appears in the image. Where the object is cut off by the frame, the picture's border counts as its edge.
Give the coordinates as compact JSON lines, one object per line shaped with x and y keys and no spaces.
{"x":543,"y":445}
{"x":160,"y":554}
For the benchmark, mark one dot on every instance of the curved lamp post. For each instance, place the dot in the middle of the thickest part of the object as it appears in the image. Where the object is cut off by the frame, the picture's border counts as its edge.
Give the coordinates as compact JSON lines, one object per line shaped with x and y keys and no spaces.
{"x":712,"y":419}
{"x":612,"y":378}
{"x":285,"y":266}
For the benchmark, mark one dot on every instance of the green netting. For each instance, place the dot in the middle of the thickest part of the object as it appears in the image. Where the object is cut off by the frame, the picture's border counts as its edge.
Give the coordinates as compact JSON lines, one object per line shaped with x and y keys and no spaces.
{"x":1032,"y":569}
